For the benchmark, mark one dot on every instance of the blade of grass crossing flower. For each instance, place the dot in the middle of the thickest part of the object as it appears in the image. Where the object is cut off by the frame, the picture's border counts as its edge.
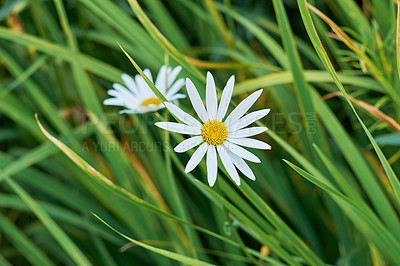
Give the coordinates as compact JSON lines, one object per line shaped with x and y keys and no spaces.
{"x":159,"y":95}
{"x":391,"y":220}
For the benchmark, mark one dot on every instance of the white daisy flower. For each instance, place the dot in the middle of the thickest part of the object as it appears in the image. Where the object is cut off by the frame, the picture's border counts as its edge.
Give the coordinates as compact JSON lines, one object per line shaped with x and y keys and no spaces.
{"x":216,"y":135}
{"x":138,"y":98}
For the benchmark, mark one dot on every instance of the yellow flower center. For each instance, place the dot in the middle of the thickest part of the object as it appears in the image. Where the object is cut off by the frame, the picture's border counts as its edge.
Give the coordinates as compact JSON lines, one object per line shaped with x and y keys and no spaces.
{"x":214,"y":132}
{"x":149,"y":101}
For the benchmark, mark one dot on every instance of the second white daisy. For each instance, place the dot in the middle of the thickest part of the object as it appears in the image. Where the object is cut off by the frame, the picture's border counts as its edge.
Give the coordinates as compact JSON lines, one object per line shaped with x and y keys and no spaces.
{"x":138,"y":97}
{"x":216,"y":135}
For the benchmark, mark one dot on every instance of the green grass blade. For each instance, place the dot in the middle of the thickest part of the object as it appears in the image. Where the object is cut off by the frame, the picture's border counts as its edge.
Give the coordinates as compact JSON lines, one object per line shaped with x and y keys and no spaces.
{"x":21,"y":78}
{"x":368,"y":224}
{"x":70,"y":248}
{"x":391,"y":220}
{"x":31,"y":252}
{"x":166,"y":253}
{"x":162,"y":41}
{"x":167,"y":24}
{"x":311,"y":76}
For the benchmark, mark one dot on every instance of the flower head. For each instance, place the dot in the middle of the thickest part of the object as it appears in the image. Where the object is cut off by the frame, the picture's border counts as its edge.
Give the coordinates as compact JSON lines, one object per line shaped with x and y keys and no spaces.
{"x":216,"y":135}
{"x":138,"y":97}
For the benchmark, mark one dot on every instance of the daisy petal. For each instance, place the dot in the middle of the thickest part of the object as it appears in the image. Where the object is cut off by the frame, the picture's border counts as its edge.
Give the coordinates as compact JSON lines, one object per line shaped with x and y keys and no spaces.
{"x":122,"y":90}
{"x":113,"y":93}
{"x":196,"y":101}
{"x":211,"y":97}
{"x":241,"y":152}
{"x":248,"y":119}
{"x":247,"y":132}
{"x":196,"y":157}
{"x":183,"y":116}
{"x":251,"y":143}
{"x":137,"y":96}
{"x":242,"y":166}
{"x":144,"y":90}
{"x":187,"y":144}
{"x":161,"y":80}
{"x":129,"y":82}
{"x":147,"y":72}
{"x":125,"y":95}
{"x":175,"y":88}
{"x":172,"y":75}
{"x":113,"y":101}
{"x":227,"y":162}
{"x":179,"y":128}
{"x":225,"y":98}
{"x":212,"y":165}
{"x":177,"y":96}
{"x":242,"y":108}
{"x":129,"y":111}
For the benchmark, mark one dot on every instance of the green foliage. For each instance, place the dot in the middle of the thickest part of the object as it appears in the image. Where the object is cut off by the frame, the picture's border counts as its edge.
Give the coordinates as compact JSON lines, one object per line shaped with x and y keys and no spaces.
{"x":85,"y":185}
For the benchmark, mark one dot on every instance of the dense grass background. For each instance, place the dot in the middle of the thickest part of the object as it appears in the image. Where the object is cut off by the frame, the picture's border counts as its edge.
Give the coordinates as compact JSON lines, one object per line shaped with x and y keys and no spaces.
{"x":327,"y":192}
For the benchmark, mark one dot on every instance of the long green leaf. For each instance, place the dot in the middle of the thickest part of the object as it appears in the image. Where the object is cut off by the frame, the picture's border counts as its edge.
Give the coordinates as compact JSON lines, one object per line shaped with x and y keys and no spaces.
{"x":391,"y":220}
